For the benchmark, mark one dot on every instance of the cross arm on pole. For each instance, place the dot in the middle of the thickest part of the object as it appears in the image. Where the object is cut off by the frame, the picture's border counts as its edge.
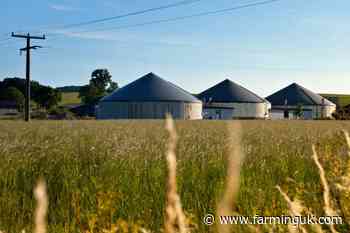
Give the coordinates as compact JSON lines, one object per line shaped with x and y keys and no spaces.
{"x":28,"y":36}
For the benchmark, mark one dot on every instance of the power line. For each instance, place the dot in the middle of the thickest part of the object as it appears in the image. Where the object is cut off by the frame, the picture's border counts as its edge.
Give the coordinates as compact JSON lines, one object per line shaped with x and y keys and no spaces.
{"x":206,"y":13}
{"x":5,"y":34}
{"x":5,"y":40}
{"x":7,"y":37}
{"x":215,"y":12}
{"x":8,"y":42}
{"x":185,"y":2}
{"x":134,"y":13}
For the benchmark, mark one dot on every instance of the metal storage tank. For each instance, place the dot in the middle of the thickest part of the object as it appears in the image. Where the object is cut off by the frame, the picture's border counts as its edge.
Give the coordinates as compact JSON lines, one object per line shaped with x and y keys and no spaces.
{"x":297,"y":102}
{"x":149,"y":97}
{"x":228,"y":100}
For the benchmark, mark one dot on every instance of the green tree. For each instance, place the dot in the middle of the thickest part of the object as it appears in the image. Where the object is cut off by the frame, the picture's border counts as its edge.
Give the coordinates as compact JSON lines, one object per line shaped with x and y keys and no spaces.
{"x":112,"y":87}
{"x":299,"y":112}
{"x":100,"y":85}
{"x":13,"y":94}
{"x":89,"y":94}
{"x":47,"y":97}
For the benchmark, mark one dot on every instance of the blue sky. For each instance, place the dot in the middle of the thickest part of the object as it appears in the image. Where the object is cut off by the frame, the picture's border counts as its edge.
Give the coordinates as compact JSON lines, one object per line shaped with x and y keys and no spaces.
{"x":263,"y":48}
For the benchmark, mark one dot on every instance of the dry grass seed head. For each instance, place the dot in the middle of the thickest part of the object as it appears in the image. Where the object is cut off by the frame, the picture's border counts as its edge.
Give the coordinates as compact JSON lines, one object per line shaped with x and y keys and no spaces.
{"x":295,"y":209}
{"x":175,"y":218}
{"x":326,"y":190}
{"x":344,"y":185}
{"x":235,"y":157}
{"x":347,"y":138}
{"x":345,"y":180}
{"x":41,"y":209}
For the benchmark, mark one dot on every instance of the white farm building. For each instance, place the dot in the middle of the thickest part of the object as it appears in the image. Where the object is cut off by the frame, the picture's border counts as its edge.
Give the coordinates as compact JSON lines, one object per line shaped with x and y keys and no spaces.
{"x":297,"y":102}
{"x":228,"y":100}
{"x":149,"y":97}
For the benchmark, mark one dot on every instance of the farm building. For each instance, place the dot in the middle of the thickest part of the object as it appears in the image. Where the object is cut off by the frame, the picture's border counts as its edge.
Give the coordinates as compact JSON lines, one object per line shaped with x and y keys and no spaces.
{"x":297,"y":102}
{"x":228,"y":100}
{"x":83,"y":110}
{"x":149,"y":97}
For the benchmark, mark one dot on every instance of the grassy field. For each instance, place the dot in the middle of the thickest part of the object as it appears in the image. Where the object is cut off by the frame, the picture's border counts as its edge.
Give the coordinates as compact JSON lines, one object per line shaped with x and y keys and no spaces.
{"x":70,"y":98}
{"x":105,"y":174}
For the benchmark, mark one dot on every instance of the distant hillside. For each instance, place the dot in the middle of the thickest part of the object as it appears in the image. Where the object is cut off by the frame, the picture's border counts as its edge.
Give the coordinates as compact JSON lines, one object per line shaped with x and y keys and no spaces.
{"x":69,"y":88}
{"x":338,"y":99}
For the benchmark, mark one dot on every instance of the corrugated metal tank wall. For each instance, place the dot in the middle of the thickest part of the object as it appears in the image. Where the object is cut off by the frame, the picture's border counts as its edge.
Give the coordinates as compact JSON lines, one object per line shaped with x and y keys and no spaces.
{"x":323,"y":111}
{"x":316,"y":112}
{"x":148,"y":110}
{"x":246,"y":110}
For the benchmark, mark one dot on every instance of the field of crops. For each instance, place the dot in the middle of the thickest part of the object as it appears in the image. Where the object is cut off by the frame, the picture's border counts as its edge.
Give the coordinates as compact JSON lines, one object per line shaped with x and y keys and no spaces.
{"x":103,"y":176}
{"x":70,"y":98}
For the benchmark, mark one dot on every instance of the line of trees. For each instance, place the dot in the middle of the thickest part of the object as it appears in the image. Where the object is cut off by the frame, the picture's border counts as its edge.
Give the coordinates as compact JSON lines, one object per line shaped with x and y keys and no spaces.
{"x":13,"y":89}
{"x":48,"y":98}
{"x":68,"y":89}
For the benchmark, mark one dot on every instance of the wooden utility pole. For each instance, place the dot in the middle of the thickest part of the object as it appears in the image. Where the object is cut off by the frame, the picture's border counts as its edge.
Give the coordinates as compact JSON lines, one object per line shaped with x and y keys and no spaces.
{"x":27,"y":49}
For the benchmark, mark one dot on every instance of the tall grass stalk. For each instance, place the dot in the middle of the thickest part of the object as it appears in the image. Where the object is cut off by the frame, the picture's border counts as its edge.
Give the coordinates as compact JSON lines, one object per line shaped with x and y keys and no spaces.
{"x":295,"y":209}
{"x":326,"y":190}
{"x":41,"y":209}
{"x":235,"y":157}
{"x":344,"y":184}
{"x":347,"y":138}
{"x":175,"y":218}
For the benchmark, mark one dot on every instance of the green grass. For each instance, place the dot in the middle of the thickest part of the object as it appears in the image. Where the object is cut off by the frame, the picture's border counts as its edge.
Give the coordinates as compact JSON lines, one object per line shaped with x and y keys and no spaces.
{"x":70,"y":98}
{"x":105,"y":172}
{"x":341,"y":100}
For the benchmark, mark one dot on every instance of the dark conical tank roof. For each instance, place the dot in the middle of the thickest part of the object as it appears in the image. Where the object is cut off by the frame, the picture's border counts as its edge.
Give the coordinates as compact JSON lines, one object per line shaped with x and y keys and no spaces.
{"x":151,"y":88}
{"x":295,"y":94}
{"x":229,"y":92}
